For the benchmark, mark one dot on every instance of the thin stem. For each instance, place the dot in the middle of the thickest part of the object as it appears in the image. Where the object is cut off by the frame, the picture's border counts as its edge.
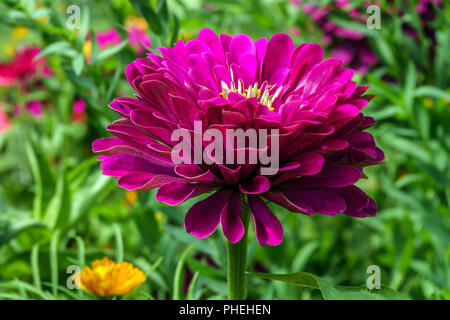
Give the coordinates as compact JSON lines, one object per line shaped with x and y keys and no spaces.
{"x":237,"y":262}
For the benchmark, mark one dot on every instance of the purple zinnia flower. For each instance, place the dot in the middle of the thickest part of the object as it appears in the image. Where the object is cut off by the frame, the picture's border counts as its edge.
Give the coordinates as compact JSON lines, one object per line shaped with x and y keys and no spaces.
{"x":313,"y":103}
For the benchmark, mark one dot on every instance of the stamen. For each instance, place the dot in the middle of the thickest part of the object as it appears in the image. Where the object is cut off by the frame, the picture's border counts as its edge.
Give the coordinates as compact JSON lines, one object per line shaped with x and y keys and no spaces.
{"x":262,"y":94}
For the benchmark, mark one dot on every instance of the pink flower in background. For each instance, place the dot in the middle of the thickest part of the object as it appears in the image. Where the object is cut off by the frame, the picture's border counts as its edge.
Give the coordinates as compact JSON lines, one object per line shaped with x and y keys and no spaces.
{"x":356,"y":54}
{"x":348,"y":45}
{"x":352,"y":46}
{"x":425,"y":7}
{"x":107,"y":38}
{"x":4,"y":121}
{"x":23,"y":68}
{"x":79,"y":111}
{"x":314,"y":104}
{"x":427,"y":13}
{"x":35,"y":108}
{"x":139,"y":40}
{"x":137,"y":36}
{"x":26,"y":73}
{"x":294,"y":31}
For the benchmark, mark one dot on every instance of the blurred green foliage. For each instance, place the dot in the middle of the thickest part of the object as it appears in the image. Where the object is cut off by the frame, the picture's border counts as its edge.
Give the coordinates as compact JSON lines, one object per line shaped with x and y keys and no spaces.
{"x":56,"y":209}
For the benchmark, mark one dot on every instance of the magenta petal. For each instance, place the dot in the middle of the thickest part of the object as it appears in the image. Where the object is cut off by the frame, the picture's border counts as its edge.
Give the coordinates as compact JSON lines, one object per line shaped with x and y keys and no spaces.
{"x":212,"y":41}
{"x":260,"y":184}
{"x":358,"y":203}
{"x":310,"y":163}
{"x":334,"y":144}
{"x":278,"y":55}
{"x":204,"y":216}
{"x":231,"y":221}
{"x":195,"y":173}
{"x":268,"y":227}
{"x":177,"y":192}
{"x":143,"y":180}
{"x":331,"y":176}
{"x":324,"y":201}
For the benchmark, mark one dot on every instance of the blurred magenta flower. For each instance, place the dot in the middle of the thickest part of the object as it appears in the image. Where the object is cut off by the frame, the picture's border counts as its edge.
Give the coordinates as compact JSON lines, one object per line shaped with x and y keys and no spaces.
{"x":138,"y":37}
{"x":107,"y":38}
{"x":138,"y":34}
{"x":427,"y":13}
{"x":352,"y":46}
{"x":313,"y":103}
{"x":35,"y":108}
{"x":79,"y":111}
{"x":348,"y":45}
{"x":23,"y":68}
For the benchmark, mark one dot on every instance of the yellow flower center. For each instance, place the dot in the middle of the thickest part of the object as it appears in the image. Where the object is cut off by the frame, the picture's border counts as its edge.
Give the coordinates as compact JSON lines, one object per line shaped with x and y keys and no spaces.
{"x":263,"y":93}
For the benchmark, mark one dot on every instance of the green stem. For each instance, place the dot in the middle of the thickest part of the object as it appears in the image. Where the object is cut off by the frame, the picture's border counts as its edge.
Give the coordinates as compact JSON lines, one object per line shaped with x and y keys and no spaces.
{"x":237,"y":262}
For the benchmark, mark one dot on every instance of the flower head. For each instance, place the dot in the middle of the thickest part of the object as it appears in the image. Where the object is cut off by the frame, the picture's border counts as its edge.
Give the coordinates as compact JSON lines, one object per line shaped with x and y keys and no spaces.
{"x":79,"y":111}
{"x":107,"y":278}
{"x":227,"y":82}
{"x":35,"y":108}
{"x":23,"y":68}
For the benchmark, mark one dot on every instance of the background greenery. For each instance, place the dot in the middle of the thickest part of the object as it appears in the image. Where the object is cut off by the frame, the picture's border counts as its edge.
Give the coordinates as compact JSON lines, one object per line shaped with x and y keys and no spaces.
{"x":56,"y":209}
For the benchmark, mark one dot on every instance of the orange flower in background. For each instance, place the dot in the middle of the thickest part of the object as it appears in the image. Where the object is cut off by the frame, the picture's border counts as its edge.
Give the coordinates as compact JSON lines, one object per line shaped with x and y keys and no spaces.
{"x":107,"y":278}
{"x":131,"y":197}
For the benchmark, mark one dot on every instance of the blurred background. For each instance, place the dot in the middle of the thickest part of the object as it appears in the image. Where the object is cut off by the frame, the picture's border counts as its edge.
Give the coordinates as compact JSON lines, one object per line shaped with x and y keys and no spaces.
{"x":62,"y":62}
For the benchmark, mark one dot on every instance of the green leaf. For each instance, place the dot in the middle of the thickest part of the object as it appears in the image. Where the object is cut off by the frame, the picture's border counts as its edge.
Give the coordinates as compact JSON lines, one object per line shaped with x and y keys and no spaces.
{"x":175,"y":31}
{"x":54,"y":243}
{"x":11,"y":228}
{"x":57,"y":213}
{"x":84,"y":27}
{"x":110,"y":51}
{"x":432,"y":92}
{"x":144,"y":9}
{"x":119,"y":243}
{"x":42,"y":174}
{"x":60,"y":47}
{"x":78,"y":64}
{"x":385,"y":51}
{"x":410,"y":84}
{"x":178,"y":281}
{"x":330,"y":292}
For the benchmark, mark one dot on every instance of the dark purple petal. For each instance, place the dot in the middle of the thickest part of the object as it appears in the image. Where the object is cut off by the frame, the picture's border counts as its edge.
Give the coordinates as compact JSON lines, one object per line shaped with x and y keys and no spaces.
{"x":331,"y":176}
{"x":231,"y":221}
{"x":267,"y":226}
{"x":260,"y":184}
{"x":324,"y":201}
{"x":177,"y":192}
{"x":204,"y":216}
